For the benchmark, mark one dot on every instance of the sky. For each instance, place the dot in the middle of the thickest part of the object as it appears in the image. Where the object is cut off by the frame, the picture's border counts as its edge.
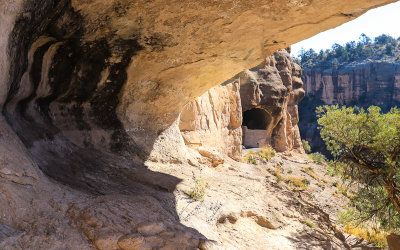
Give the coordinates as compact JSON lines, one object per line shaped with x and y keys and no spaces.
{"x":383,"y":20}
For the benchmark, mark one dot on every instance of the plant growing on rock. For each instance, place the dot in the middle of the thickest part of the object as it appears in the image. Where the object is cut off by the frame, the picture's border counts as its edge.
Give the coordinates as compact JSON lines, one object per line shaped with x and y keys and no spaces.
{"x":306,"y":146}
{"x":200,"y":186}
{"x":267,"y":153}
{"x":263,"y":155}
{"x":368,"y":143}
{"x":318,"y":158}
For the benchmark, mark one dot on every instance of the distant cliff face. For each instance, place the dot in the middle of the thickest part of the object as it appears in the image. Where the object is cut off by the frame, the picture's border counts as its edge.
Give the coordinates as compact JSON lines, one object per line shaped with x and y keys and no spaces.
{"x":359,"y":84}
{"x":368,"y":83}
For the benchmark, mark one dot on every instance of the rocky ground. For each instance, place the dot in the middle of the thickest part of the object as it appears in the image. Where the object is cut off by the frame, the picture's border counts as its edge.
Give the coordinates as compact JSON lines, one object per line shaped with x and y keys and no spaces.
{"x":248,"y":206}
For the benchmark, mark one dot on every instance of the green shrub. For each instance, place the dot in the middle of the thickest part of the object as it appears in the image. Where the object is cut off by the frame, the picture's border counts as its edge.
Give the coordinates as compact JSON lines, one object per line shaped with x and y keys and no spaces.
{"x":306,"y":146}
{"x":200,"y":186}
{"x":318,"y":158}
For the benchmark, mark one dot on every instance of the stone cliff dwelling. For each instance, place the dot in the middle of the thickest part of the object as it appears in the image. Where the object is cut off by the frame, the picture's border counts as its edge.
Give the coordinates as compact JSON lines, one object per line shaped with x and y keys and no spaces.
{"x":255,"y":124}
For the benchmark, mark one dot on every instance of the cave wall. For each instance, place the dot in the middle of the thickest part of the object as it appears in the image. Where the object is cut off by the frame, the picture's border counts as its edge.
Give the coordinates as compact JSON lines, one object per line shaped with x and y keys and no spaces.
{"x":214,"y":120}
{"x":130,"y":66}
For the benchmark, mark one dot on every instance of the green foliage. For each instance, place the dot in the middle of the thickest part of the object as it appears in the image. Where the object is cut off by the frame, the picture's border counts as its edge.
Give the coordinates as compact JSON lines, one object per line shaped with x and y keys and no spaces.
{"x":310,"y":224}
{"x":200,"y":186}
{"x":318,"y":158}
{"x":306,"y":146}
{"x":384,"y":47}
{"x":366,"y":145}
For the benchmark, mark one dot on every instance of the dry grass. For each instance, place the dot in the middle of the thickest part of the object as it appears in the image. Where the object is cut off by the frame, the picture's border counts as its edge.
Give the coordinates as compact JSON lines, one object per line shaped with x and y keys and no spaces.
{"x":267,"y":152}
{"x":375,"y":236}
{"x":251,"y":157}
{"x":343,"y":190}
{"x":310,"y":172}
{"x":200,"y":186}
{"x":294,"y":181}
{"x":263,"y":155}
{"x":299,"y":182}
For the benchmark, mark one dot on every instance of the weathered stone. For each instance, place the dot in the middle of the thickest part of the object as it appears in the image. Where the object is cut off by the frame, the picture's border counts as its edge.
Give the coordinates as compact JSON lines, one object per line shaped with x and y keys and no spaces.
{"x":149,"y":229}
{"x":270,"y":94}
{"x":259,"y":104}
{"x":393,"y":241}
{"x":214,"y":120}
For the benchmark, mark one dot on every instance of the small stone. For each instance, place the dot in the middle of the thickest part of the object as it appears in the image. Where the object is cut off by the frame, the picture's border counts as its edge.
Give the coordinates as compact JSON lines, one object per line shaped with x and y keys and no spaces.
{"x":149,"y":229}
{"x":133,"y":242}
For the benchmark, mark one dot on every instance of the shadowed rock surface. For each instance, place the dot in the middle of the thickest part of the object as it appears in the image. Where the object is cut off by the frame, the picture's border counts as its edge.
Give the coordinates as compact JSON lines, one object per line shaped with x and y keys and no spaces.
{"x":92,"y":89}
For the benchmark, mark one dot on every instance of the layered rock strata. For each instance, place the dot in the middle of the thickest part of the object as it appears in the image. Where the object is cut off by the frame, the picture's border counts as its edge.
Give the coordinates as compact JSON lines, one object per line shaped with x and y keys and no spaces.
{"x":370,"y":82}
{"x":361,"y":84}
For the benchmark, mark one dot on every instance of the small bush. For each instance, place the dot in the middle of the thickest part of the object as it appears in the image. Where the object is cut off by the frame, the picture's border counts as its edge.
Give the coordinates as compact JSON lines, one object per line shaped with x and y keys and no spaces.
{"x":344,"y":190}
{"x":250,"y":157}
{"x":278,"y":175}
{"x":200,"y":186}
{"x":374,"y":235}
{"x":299,"y":182}
{"x":267,"y":153}
{"x":263,"y":155}
{"x":318,"y":158}
{"x":306,"y":146}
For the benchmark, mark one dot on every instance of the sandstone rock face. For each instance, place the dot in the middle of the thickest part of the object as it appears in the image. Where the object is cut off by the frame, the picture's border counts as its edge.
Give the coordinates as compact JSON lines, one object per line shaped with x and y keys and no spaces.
{"x":91,"y":89}
{"x":259,"y":104}
{"x":214,"y":120}
{"x":360,"y":83}
{"x":272,"y":91}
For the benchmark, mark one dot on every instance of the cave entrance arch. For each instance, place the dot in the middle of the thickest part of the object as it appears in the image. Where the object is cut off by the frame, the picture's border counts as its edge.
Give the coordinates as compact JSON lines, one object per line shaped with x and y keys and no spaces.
{"x":255,"y":125}
{"x":256,"y":119}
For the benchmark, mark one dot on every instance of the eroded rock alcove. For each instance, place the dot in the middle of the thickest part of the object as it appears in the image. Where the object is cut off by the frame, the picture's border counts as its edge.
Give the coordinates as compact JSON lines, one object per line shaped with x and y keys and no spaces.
{"x":90,"y":90}
{"x":259,"y":105}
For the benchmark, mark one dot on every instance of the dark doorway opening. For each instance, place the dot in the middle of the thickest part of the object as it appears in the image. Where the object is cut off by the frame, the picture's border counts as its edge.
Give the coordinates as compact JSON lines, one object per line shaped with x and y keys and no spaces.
{"x":256,"y":118}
